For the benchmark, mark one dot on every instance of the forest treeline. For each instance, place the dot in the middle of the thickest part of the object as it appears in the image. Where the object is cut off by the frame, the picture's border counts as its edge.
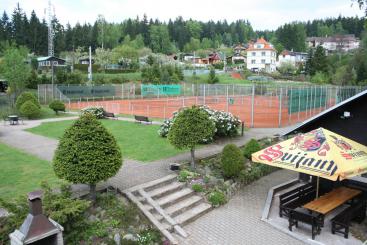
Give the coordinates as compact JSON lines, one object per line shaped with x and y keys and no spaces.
{"x":163,"y":37}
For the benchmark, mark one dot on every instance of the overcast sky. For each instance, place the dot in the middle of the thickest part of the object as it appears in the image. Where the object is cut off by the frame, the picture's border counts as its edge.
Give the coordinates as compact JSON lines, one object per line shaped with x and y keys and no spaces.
{"x":263,"y":14}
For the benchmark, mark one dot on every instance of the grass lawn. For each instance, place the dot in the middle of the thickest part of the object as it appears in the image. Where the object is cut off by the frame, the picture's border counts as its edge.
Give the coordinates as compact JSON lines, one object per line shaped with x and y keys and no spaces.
{"x":46,"y":112}
{"x":224,"y":78}
{"x":137,"y":141}
{"x":21,"y":172}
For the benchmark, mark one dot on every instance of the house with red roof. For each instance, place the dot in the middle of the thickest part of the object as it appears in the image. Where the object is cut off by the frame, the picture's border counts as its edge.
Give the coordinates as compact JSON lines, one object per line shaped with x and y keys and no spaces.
{"x":261,"y":56}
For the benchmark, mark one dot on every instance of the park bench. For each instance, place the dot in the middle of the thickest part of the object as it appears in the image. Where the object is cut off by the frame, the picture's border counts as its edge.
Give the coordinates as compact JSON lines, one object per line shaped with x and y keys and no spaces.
{"x":109,"y":115}
{"x":341,"y":222}
{"x":296,"y":198}
{"x":142,"y":119}
{"x":315,"y":220}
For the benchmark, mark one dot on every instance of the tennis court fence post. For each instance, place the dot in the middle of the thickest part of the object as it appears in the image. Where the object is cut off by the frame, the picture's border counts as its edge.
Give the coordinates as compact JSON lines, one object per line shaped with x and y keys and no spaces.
{"x":280,"y":107}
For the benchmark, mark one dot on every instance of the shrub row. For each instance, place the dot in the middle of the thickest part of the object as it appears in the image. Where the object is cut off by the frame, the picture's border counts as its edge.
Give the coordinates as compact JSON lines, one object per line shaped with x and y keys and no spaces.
{"x":226,"y":124}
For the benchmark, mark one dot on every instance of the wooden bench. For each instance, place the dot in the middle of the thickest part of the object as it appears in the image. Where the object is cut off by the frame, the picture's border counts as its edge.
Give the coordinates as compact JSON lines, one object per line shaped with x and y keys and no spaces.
{"x":308,"y":218}
{"x":142,"y":119}
{"x":296,"y":198}
{"x":109,"y":115}
{"x":341,"y":222}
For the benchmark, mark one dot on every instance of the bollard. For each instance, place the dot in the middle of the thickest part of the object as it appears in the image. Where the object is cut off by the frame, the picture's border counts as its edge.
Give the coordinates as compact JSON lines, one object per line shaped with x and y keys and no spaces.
{"x":242,"y":128}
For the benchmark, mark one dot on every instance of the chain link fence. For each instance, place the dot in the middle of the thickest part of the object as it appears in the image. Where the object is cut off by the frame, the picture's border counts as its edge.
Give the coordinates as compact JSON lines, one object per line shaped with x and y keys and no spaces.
{"x":258,"y":105}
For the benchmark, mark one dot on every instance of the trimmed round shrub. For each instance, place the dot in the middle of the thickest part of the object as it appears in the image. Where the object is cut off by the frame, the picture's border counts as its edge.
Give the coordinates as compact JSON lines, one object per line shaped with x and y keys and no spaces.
{"x":87,"y":153}
{"x":251,"y":147}
{"x":57,"y":106}
{"x":97,"y":112}
{"x":217,"y":198}
{"x":232,"y":161}
{"x":24,"y":97}
{"x":30,"y":110}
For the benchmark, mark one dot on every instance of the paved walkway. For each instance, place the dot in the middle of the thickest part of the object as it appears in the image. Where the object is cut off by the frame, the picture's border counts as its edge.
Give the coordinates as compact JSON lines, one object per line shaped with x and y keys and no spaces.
{"x":238,"y":222}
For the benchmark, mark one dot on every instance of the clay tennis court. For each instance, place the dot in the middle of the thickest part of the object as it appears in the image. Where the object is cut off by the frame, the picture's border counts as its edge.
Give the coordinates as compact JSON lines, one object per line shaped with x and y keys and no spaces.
{"x":267,"y":110}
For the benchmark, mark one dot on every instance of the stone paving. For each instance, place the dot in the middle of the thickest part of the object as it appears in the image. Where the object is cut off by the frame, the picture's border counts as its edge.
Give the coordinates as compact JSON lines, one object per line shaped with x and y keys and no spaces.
{"x":239,"y":221}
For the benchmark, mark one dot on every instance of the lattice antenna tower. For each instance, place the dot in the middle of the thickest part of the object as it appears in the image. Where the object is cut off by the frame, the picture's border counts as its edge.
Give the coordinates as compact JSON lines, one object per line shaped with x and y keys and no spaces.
{"x":51,"y":33}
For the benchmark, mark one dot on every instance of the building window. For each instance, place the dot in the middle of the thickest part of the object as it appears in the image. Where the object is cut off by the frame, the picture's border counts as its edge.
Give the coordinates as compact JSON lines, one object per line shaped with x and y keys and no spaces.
{"x":253,"y":53}
{"x":48,"y":63}
{"x":262,"y":53}
{"x":262,"y":61}
{"x":253,"y":61}
{"x":258,"y":46}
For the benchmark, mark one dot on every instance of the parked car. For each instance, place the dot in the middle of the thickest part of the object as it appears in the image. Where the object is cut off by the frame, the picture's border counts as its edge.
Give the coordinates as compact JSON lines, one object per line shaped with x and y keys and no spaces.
{"x":3,"y":86}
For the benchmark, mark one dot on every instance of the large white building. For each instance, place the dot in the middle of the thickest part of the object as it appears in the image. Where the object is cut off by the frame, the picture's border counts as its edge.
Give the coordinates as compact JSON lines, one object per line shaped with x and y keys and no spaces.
{"x":337,"y":43}
{"x":261,"y":56}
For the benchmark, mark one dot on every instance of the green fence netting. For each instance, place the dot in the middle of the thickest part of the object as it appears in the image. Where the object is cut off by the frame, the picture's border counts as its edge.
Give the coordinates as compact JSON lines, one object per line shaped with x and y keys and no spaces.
{"x":150,"y":89}
{"x":303,"y":99}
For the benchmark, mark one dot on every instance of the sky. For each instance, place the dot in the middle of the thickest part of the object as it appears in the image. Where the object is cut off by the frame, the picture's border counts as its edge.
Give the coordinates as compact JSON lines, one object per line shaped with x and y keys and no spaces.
{"x":262,"y":14}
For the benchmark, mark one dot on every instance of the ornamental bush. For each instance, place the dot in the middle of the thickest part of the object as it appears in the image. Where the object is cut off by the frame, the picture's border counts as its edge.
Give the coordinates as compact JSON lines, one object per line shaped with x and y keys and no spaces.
{"x":24,"y":97}
{"x":251,"y":147}
{"x":232,"y":161}
{"x":30,"y":110}
{"x":57,"y":106}
{"x":95,"y":111}
{"x":225,"y":123}
{"x":217,"y":198}
{"x":87,"y":153}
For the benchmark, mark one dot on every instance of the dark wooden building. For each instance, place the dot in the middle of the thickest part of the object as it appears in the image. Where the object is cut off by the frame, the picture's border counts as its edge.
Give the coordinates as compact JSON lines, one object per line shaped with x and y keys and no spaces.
{"x":349,"y":119}
{"x":50,"y":61}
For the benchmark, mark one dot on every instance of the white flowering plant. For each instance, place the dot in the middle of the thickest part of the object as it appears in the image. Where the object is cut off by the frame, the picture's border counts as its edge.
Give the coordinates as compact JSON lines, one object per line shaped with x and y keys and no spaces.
{"x":98,"y":112}
{"x":226,"y":123}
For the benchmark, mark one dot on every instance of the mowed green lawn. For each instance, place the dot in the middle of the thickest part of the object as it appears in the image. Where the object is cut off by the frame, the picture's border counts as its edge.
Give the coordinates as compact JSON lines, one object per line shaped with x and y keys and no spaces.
{"x":137,"y":141}
{"x":21,"y":173}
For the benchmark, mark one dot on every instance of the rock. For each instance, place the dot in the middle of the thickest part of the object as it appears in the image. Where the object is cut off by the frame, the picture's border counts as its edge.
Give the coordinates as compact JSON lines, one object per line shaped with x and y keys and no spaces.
{"x":92,"y":218}
{"x":129,"y":237}
{"x":207,"y":170}
{"x":137,"y":218}
{"x":117,"y":239}
{"x":98,"y":209}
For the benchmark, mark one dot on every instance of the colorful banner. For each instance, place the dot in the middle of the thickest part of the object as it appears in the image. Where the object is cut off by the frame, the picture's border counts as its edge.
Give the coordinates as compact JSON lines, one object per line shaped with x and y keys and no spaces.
{"x":320,"y":153}
{"x":87,"y":91}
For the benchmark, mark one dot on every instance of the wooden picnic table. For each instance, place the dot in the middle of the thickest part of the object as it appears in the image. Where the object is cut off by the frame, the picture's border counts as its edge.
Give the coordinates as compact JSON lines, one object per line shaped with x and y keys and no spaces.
{"x":332,"y":200}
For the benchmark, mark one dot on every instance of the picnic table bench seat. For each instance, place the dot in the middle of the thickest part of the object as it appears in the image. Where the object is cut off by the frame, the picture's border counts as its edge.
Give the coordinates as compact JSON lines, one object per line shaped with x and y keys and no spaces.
{"x":341,"y":222}
{"x":296,"y":198}
{"x":142,"y":119}
{"x":315,"y":220}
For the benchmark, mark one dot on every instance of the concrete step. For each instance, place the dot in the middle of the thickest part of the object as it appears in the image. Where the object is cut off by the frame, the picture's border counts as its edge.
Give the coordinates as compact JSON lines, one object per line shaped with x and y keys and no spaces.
{"x":166,"y":190}
{"x":154,"y":184}
{"x":183,"y":205}
{"x":174,"y":197}
{"x":192,"y":214}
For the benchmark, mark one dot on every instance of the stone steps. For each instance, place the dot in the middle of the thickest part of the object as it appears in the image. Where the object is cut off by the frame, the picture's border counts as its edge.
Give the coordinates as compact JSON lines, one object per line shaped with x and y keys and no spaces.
{"x":165,"y":190}
{"x":185,"y":204}
{"x":192,"y":214}
{"x":174,"y":197}
{"x":168,"y":204}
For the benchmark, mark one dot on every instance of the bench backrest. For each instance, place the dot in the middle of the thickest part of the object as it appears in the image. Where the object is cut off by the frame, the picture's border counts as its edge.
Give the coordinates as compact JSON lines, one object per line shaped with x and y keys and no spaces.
{"x":304,"y":191}
{"x":141,"y":118}
{"x":108,"y":114}
{"x":303,"y":217}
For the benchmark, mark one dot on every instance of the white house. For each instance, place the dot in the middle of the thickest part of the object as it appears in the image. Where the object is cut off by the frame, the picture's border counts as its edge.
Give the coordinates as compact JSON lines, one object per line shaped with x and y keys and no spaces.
{"x":295,"y":58}
{"x":261,"y":56}
{"x":342,"y":43}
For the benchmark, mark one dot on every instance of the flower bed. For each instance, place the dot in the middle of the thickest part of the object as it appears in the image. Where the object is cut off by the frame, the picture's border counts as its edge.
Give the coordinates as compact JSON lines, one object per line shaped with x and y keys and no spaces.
{"x":209,"y":180}
{"x":226,"y":124}
{"x":96,"y":111}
